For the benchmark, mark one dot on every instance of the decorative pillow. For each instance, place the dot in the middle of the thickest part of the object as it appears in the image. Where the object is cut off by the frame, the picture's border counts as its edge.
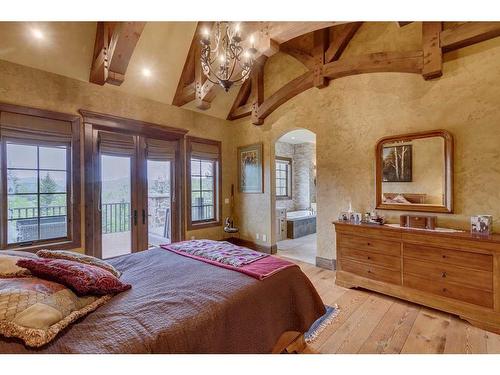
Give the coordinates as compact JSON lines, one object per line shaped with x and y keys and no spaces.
{"x":82,"y":258}
{"x":82,"y":278}
{"x":36,"y":310}
{"x":8,"y":267}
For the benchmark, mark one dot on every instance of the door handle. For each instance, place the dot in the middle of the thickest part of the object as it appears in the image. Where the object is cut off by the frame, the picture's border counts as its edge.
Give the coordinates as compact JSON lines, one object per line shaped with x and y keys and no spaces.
{"x":143,"y":216}
{"x":135,"y":217}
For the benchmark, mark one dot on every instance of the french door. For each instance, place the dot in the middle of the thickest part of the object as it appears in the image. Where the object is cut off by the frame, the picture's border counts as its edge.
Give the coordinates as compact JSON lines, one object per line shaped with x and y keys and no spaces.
{"x":132,"y":190}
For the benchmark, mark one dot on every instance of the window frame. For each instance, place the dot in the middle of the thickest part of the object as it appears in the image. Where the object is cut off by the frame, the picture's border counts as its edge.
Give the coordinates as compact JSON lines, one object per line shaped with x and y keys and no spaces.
{"x":289,"y":177}
{"x":217,"y":178}
{"x":73,"y":208}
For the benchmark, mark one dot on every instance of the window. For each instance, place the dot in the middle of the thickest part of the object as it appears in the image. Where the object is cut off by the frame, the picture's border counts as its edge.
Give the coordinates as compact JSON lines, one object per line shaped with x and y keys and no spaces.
{"x":37,"y":179}
{"x":203,"y":183}
{"x":37,"y":199}
{"x":283,"y":178}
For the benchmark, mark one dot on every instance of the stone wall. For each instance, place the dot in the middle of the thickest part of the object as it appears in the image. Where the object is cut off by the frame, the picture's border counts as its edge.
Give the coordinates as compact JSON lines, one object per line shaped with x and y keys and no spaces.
{"x":303,"y":157}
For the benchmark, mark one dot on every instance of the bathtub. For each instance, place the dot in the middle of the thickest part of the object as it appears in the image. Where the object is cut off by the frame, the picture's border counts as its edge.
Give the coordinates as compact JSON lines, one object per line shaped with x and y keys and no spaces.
{"x":300,"y":223}
{"x":291,"y":215}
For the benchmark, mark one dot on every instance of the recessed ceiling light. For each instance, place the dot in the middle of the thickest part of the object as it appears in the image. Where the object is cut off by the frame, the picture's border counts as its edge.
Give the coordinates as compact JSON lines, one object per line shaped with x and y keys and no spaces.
{"x":146,"y":72}
{"x":37,"y":34}
{"x":293,"y":137}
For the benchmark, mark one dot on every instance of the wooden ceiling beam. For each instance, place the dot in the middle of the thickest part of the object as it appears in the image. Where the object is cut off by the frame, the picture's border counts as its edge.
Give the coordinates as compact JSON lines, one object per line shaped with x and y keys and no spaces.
{"x":320,"y":45}
{"x":401,"y":62}
{"x":113,"y":48}
{"x":257,"y":93}
{"x":403,"y":23}
{"x":467,"y":34}
{"x":339,"y":43}
{"x":433,"y":55}
{"x":241,"y":100}
{"x":285,"y":93}
{"x":299,"y":54}
{"x":186,"y":86}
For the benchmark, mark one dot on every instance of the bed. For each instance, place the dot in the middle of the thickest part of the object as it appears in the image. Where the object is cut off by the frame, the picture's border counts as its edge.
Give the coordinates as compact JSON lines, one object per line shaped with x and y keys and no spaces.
{"x":182,"y":305}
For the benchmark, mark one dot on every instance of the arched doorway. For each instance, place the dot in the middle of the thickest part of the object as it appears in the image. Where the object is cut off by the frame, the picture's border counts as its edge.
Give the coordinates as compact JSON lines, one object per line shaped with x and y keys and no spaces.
{"x":295,"y":195}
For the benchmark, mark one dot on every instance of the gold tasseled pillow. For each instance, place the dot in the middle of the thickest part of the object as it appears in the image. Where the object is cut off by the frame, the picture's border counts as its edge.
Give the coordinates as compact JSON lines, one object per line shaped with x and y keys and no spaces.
{"x":8,"y":267}
{"x":36,"y":310}
{"x":77,"y":257}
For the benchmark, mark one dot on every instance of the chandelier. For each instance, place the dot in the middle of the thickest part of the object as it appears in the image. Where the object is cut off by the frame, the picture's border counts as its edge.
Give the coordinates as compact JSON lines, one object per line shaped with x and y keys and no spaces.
{"x":223,"y":60}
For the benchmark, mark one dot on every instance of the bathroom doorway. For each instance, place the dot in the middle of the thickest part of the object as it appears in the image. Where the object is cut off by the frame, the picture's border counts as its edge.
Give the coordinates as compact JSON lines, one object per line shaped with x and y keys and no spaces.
{"x":295,"y":192}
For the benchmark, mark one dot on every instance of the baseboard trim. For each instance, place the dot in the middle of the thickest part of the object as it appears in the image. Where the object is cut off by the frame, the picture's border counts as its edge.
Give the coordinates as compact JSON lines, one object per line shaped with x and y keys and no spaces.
{"x":329,"y":264}
{"x":273,"y":249}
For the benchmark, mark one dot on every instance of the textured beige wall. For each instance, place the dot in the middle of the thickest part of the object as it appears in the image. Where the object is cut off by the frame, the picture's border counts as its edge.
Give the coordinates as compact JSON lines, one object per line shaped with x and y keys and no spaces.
{"x":22,"y":85}
{"x":351,"y":114}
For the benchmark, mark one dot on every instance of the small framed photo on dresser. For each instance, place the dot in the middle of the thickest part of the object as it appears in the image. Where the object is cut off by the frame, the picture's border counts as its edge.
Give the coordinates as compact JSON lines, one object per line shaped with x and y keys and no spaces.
{"x":481,"y":224}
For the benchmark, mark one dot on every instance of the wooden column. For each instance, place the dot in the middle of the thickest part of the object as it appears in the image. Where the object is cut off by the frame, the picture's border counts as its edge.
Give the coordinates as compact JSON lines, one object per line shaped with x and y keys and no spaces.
{"x":257,"y":94}
{"x":319,"y":49}
{"x":433,"y":56}
{"x":199,"y":79}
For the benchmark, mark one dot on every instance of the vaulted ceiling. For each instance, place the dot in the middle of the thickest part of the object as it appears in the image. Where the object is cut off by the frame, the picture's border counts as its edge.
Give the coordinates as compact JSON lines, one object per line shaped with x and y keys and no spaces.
{"x":157,"y":60}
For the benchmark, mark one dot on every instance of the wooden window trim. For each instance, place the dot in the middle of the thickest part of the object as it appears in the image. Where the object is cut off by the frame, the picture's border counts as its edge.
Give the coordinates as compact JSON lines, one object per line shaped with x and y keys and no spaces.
{"x":218,"y":188}
{"x":93,"y":122}
{"x":289,"y":179}
{"x":73,"y":240}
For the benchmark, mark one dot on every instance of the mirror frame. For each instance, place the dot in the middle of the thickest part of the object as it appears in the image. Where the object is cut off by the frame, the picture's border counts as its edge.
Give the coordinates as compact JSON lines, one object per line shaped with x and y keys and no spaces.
{"x":447,"y":207}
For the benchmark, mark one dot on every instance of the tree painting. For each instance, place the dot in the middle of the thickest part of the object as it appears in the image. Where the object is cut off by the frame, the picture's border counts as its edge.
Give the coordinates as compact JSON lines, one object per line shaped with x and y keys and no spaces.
{"x":397,"y":164}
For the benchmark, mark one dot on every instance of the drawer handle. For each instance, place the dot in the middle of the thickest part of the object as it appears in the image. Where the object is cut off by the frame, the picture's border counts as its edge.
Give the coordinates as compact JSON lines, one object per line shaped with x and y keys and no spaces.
{"x":445,"y":290}
{"x":443,"y":274}
{"x":369,"y":271}
{"x":368,"y":244}
{"x":368,"y":257}
{"x":444,"y":256}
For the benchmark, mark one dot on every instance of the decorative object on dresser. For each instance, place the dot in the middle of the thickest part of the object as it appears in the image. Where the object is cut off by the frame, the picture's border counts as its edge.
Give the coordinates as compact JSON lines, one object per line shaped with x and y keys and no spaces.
{"x":481,"y":224}
{"x":417,"y":221}
{"x":457,"y":272}
{"x":421,"y":165}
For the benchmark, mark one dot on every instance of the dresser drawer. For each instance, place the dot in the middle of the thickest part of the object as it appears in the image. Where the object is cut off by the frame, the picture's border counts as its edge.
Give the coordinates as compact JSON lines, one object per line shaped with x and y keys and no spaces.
{"x":465,"y":259}
{"x":371,"y":257}
{"x":450,"y":290}
{"x":369,"y":244}
{"x":440,"y":271}
{"x":372,"y":272}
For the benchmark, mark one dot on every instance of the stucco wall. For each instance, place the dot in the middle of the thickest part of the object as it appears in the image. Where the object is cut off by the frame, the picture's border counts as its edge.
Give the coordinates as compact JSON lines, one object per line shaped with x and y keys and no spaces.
{"x":26,"y":86}
{"x":352,"y":113}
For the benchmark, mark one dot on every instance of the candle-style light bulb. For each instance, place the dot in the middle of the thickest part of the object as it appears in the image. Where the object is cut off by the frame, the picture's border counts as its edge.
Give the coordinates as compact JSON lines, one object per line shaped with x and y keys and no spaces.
{"x":252,"y":41}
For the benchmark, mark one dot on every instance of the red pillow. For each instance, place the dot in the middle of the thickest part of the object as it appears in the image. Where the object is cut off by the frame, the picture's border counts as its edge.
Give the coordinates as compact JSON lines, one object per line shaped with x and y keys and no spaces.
{"x":82,"y":278}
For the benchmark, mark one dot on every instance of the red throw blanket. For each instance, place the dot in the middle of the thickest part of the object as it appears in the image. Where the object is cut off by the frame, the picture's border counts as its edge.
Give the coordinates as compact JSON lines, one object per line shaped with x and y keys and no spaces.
{"x":259,"y":268}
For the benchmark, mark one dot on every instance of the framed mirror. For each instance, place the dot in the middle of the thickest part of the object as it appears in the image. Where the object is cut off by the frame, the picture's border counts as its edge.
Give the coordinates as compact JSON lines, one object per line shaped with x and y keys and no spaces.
{"x":414,"y":172}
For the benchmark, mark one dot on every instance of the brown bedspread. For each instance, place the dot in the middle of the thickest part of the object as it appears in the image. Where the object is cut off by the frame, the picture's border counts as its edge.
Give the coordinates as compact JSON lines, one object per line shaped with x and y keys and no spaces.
{"x":181,"y":305}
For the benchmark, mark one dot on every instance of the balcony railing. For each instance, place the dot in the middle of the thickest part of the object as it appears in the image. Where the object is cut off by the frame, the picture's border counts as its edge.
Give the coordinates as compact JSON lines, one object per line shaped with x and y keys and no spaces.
{"x":115,"y":218}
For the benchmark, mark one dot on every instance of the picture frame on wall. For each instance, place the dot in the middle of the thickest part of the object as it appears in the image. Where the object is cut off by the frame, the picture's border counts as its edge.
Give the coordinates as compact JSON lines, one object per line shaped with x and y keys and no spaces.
{"x":251,"y":168}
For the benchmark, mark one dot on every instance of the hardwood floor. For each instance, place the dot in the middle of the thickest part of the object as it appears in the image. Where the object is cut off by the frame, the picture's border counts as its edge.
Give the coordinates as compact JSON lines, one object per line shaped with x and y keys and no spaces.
{"x":369,"y":322}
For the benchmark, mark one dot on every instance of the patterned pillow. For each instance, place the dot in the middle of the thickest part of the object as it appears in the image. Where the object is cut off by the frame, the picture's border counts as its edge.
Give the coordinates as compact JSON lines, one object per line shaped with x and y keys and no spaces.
{"x":77,"y":257}
{"x":82,"y":278}
{"x":8,"y":267}
{"x":36,"y":310}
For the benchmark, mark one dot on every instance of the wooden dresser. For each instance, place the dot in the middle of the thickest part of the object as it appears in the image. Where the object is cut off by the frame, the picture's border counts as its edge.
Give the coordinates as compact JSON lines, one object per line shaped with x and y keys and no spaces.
{"x":454,"y":272}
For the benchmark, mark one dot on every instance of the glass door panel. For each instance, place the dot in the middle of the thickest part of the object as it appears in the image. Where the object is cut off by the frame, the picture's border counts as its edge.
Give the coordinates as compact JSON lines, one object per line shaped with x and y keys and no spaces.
{"x":116,"y":202}
{"x":159,"y":202}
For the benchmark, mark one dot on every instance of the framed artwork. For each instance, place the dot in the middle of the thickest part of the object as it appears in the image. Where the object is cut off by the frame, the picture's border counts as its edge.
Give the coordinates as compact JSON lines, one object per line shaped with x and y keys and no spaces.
{"x":397,"y":164}
{"x":251,"y":169}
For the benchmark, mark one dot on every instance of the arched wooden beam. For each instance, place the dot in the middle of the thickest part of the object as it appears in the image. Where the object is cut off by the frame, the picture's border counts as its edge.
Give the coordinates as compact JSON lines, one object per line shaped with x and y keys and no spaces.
{"x":288,"y":91}
{"x":300,"y":55}
{"x":400,"y":62}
